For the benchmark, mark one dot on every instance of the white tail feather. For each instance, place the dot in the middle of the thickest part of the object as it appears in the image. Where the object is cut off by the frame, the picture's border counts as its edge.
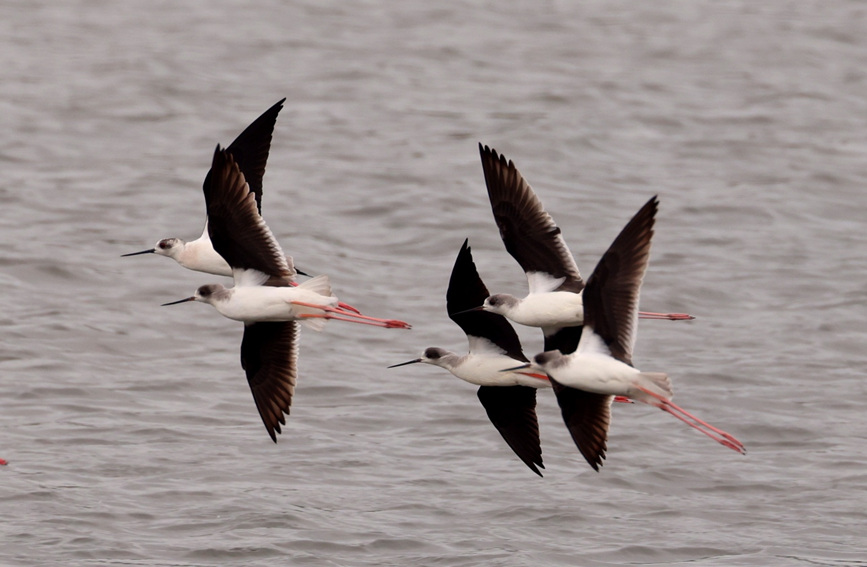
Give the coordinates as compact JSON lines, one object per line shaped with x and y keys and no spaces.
{"x":315,"y":323}
{"x":650,"y":383}
{"x":319,"y":284}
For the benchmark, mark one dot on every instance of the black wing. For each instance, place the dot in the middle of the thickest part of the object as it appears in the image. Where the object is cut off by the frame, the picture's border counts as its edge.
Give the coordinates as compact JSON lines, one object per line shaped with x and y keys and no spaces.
{"x":611,"y":295}
{"x":466,"y":291}
{"x":237,"y":230}
{"x":587,"y":417}
{"x":512,"y":410}
{"x":250,"y":150}
{"x":564,"y":339}
{"x":527,"y":230}
{"x":269,"y":356}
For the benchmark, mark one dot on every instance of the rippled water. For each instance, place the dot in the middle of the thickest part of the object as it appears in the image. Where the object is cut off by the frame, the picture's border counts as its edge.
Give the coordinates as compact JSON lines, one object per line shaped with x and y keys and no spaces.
{"x":130,"y":430}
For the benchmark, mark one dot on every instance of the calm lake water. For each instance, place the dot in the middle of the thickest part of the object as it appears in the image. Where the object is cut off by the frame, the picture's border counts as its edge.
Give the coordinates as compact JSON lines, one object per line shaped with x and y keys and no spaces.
{"x":130,"y":431}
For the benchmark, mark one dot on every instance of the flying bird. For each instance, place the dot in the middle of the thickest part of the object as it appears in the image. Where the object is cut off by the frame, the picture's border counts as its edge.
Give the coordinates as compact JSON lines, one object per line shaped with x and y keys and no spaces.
{"x":250,"y":151}
{"x":509,"y":398}
{"x":263,"y":297}
{"x":531,"y":236}
{"x":586,"y":381}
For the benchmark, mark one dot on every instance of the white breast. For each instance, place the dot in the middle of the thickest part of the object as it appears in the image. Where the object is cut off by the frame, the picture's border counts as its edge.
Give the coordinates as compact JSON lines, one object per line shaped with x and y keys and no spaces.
{"x":552,"y":309}
{"x":486,"y":370}
{"x":265,"y":303}
{"x":200,"y":255}
{"x":593,"y":372}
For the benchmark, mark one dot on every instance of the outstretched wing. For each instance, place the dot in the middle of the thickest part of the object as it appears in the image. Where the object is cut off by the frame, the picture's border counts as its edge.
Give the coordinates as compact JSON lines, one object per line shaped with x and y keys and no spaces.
{"x":237,"y":230}
{"x":467,"y":291}
{"x":527,"y":230}
{"x":269,"y":356}
{"x":512,"y":410}
{"x":587,"y":417}
{"x":250,"y":150}
{"x":611,"y":295}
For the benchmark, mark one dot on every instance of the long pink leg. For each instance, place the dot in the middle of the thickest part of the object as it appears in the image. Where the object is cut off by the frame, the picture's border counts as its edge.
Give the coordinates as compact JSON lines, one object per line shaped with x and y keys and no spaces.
{"x":666,"y":316}
{"x":357,"y":317}
{"x":3,"y":462}
{"x":724,"y":439}
{"x":348,"y":307}
{"x":671,"y":407}
{"x":344,"y":306}
{"x":338,"y":318}
{"x":714,"y":433}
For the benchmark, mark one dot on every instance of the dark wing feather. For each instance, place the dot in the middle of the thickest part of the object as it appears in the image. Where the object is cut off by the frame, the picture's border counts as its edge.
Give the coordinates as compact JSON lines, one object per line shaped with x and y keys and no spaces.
{"x":527,"y":230}
{"x":587,"y":417}
{"x":237,"y":231}
{"x":611,"y":295}
{"x":250,"y":150}
{"x":564,"y":339}
{"x":466,"y":291}
{"x":512,"y":410}
{"x":269,"y":355}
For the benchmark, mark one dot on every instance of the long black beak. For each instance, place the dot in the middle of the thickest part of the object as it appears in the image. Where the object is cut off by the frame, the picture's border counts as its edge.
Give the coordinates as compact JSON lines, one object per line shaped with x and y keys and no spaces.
{"x":479,"y":308}
{"x":300,"y":273}
{"x":193,"y":298}
{"x":405,"y":363}
{"x":151,"y":251}
{"x":522,"y":367}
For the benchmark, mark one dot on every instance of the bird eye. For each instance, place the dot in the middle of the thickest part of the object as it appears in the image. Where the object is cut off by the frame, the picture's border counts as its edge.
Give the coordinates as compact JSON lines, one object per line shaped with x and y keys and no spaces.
{"x":164,"y":244}
{"x":432,"y":354}
{"x":493,"y":301}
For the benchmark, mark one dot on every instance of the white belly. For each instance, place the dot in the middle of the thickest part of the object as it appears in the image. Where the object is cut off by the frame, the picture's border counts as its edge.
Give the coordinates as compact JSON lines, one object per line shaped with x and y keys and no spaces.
{"x":552,"y":309}
{"x":199,"y":255}
{"x":265,"y":303}
{"x":596,"y":373}
{"x":486,"y":370}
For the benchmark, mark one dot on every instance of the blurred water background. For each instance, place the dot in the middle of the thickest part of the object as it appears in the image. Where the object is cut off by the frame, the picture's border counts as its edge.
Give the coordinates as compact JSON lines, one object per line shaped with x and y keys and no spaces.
{"x":131,"y":435}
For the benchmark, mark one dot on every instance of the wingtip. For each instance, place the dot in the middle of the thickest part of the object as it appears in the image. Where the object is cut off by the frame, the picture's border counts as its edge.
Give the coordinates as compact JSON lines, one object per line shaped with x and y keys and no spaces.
{"x":219,"y":152}
{"x":597,"y":464}
{"x":534,"y":466}
{"x":488,"y":152}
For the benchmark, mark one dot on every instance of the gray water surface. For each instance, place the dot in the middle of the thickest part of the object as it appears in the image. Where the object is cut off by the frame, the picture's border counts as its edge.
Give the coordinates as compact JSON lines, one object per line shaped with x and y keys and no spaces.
{"x":130,"y":431}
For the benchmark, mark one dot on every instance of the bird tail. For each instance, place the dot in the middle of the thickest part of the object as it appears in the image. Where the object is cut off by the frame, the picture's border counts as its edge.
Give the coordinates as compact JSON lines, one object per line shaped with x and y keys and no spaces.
{"x":319,"y":284}
{"x":311,"y":315}
{"x":314,"y":323}
{"x":652,"y":388}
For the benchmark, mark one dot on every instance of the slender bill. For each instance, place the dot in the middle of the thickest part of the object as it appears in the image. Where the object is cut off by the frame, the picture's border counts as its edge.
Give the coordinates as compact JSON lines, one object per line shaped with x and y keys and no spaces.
{"x":191,"y":298}
{"x":479,"y":308}
{"x":405,"y":363}
{"x":151,"y":251}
